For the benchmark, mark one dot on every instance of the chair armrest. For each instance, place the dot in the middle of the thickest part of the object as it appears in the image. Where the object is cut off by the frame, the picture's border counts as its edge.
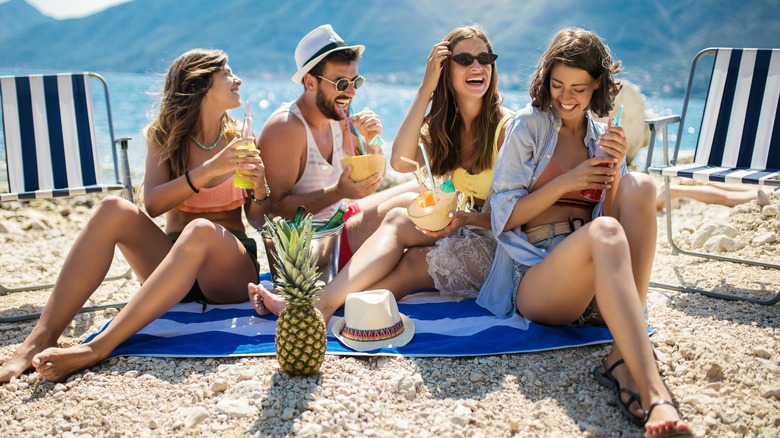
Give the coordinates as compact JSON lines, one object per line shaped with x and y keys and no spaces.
{"x":660,"y":124}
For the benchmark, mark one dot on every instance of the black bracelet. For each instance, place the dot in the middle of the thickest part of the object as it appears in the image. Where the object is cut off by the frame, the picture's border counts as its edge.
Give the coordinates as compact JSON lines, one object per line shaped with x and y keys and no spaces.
{"x":260,"y":201}
{"x":187,"y":177}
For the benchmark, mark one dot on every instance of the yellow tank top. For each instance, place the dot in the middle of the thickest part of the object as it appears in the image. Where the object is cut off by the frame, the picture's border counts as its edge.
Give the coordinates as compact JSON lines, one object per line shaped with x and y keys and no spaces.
{"x":477,"y":185}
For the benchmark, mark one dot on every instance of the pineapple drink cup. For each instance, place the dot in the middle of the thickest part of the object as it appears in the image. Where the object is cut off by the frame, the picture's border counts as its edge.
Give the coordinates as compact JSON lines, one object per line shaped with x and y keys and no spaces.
{"x":363,"y":166}
{"x":301,"y":333}
{"x":430,"y":215}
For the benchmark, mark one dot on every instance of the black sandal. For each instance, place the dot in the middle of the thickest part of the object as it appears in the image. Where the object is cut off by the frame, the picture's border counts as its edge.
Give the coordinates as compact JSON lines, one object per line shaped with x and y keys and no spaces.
{"x":604,"y":377}
{"x":672,"y":434}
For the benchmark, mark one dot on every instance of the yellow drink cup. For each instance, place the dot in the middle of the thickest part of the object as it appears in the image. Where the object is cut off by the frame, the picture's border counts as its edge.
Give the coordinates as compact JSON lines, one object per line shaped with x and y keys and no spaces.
{"x":238,"y":181}
{"x":364,"y":166}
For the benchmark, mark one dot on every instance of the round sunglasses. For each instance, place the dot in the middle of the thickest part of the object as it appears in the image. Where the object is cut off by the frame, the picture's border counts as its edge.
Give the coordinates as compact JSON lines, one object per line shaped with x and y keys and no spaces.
{"x":343,"y":83}
{"x":466,"y":59}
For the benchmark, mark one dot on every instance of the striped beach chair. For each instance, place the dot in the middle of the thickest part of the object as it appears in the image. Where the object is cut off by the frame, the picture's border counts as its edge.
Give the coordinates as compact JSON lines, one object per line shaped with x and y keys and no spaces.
{"x":738,"y":141}
{"x":50,"y":142}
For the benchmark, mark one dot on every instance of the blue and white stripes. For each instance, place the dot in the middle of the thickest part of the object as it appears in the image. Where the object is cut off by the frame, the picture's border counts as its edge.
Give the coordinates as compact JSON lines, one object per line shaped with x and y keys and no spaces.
{"x":739,"y":140}
{"x":442,"y":328}
{"x":49,"y":136}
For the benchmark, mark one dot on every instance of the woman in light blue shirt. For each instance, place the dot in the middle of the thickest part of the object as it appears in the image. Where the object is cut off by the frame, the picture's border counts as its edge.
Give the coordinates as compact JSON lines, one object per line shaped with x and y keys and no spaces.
{"x":576,"y":231}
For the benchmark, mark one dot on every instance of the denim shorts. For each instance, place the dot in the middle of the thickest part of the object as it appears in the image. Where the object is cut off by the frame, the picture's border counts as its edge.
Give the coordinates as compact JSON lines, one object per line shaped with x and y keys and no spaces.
{"x":519,"y":270}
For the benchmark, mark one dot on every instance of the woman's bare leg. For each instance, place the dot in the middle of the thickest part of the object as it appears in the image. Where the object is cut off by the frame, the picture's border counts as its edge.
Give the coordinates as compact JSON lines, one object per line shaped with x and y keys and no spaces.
{"x":709,"y":194}
{"x":375,"y":264}
{"x":634,"y":210}
{"x":204,"y":251}
{"x":115,"y":222}
{"x":594,"y":263}
{"x":373,"y":210}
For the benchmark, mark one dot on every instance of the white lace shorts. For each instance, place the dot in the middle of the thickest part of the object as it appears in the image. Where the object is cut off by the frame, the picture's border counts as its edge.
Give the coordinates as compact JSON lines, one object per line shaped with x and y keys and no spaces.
{"x":460,"y":262}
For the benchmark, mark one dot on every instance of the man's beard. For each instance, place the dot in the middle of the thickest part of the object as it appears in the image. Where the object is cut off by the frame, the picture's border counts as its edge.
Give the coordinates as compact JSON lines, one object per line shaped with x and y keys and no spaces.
{"x":329,"y":109}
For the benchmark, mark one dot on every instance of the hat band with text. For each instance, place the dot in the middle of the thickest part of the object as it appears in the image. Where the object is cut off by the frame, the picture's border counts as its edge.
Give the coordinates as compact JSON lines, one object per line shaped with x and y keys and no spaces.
{"x":373,"y":335}
{"x":328,"y":47}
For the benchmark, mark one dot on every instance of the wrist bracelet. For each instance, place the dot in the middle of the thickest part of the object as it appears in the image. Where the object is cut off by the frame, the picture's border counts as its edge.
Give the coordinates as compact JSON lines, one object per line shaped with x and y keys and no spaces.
{"x":187,"y":177}
{"x":260,"y":201}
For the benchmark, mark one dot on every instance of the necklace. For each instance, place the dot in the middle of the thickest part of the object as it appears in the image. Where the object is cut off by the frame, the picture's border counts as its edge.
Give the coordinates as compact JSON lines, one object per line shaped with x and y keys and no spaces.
{"x":208,"y":148}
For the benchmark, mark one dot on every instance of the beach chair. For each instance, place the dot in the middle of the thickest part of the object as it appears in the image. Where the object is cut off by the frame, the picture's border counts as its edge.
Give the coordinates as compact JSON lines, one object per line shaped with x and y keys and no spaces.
{"x":738,"y":141}
{"x":51,"y":146}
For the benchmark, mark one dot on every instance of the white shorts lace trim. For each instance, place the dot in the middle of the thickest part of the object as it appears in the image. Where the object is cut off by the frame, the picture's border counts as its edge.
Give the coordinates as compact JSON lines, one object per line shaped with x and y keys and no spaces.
{"x":460,"y":262}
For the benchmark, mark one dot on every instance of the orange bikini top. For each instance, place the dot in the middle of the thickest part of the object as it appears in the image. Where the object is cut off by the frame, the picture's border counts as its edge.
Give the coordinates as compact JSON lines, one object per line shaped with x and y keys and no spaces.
{"x":222,"y":197}
{"x":570,"y":199}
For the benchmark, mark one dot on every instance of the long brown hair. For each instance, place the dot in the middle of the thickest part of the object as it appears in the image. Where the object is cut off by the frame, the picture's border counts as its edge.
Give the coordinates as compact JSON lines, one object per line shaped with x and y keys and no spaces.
{"x":581,"y":49}
{"x":186,"y":83}
{"x":442,"y":123}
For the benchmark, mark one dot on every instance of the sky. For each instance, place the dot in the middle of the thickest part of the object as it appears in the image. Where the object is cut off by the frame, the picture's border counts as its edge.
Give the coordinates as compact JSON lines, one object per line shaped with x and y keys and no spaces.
{"x":62,"y":9}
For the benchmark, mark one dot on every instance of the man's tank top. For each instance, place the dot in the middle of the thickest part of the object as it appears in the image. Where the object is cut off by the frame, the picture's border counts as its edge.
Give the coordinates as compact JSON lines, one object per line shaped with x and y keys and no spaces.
{"x":318,"y":173}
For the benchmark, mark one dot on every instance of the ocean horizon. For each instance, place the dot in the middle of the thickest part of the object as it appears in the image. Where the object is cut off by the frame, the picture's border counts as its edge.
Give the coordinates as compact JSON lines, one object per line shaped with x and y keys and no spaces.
{"x":133,"y":104}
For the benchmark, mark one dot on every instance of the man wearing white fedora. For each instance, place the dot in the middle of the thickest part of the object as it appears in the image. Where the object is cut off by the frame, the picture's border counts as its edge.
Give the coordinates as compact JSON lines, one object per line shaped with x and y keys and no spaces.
{"x":303,"y":142}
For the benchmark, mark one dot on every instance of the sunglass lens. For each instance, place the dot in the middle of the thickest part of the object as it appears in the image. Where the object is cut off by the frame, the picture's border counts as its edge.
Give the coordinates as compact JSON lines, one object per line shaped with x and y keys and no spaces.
{"x":359,"y":82}
{"x":342,"y":84}
{"x":463,"y":58}
{"x":486,"y":58}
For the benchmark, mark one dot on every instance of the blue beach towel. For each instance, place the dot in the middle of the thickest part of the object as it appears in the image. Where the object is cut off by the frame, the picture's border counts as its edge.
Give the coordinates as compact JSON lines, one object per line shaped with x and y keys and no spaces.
{"x":442,"y":329}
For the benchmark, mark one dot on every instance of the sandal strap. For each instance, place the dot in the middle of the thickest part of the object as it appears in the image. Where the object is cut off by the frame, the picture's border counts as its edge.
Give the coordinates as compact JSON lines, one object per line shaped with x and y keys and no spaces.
{"x":660,"y":402}
{"x":614,"y":365}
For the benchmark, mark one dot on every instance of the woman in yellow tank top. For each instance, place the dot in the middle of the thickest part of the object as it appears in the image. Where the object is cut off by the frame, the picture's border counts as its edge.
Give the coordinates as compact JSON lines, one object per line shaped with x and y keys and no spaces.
{"x":461,"y":132}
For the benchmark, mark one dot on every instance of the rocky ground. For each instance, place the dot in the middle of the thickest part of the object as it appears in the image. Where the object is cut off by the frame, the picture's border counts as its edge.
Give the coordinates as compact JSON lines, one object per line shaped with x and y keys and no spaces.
{"x":719,"y":358}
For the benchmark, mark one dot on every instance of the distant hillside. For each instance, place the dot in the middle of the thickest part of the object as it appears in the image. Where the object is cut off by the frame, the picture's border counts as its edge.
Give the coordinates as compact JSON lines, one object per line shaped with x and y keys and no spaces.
{"x":16,"y":16}
{"x":655,"y":40}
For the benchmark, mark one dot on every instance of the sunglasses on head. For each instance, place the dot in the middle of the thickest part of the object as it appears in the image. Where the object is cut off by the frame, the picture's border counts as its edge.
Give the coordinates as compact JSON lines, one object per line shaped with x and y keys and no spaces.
{"x":343,"y":83}
{"x":467,"y":59}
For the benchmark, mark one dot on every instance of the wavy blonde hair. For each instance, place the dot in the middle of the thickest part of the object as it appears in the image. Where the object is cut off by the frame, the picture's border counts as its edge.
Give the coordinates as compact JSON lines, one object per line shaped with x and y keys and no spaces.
{"x":443,"y":122}
{"x":581,"y":49}
{"x":186,"y":83}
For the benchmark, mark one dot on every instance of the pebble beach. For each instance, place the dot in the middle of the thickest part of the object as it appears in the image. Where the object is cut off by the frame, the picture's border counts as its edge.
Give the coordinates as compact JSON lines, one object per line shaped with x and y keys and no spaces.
{"x":720,"y":359}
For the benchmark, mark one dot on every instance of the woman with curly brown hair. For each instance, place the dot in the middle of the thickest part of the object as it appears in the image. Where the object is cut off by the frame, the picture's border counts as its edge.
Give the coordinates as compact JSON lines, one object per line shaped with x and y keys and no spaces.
{"x":461,"y":132}
{"x":564,"y":257}
{"x":203,"y":255}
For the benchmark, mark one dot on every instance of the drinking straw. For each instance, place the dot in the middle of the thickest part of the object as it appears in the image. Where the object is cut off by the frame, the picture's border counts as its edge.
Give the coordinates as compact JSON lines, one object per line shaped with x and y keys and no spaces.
{"x":357,"y":132}
{"x":248,"y":121}
{"x":346,"y":119}
{"x":619,"y":114}
{"x":428,"y":166}
{"x":419,"y":176}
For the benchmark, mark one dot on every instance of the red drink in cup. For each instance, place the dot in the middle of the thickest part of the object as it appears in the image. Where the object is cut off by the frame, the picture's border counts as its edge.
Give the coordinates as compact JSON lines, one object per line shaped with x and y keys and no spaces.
{"x":595,"y":194}
{"x":598,"y":194}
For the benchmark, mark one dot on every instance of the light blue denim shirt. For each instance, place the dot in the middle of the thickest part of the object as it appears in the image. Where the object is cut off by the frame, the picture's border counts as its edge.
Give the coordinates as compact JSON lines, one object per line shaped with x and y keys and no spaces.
{"x":529,"y":143}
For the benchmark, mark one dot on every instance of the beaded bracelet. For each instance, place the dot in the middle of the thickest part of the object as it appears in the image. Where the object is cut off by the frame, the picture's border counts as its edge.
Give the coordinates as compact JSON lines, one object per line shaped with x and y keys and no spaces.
{"x":260,"y":201}
{"x":187,"y":177}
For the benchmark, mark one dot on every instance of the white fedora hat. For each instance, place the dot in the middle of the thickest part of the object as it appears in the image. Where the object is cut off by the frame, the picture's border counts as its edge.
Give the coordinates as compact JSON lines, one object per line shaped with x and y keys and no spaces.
{"x":371,"y":321}
{"x":315,"y":46}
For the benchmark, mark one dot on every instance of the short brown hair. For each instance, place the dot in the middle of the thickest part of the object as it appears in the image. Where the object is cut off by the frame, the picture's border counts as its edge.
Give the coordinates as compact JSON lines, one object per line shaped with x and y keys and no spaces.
{"x":340,"y":57}
{"x":581,"y":49}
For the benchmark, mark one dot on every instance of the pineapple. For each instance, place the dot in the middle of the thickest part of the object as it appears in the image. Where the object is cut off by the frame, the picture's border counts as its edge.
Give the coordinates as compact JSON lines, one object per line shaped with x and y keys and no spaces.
{"x":301,"y":333}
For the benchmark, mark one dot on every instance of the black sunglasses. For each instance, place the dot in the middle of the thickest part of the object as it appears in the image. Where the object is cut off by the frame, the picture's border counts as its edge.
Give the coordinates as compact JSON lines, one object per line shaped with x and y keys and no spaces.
{"x":343,"y":83}
{"x":467,"y":59}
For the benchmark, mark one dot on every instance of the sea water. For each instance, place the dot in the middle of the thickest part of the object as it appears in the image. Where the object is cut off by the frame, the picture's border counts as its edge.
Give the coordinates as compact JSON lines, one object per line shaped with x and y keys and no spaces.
{"x":133,"y":100}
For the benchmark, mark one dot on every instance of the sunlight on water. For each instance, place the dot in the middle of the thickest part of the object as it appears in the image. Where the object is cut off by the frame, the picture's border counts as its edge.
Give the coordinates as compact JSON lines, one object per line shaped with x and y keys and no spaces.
{"x":133,"y":99}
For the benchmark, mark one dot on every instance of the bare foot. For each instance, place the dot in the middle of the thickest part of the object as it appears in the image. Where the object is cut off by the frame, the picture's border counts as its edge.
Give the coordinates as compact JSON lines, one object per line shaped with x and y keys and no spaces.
{"x":57,"y":364}
{"x":257,"y":300}
{"x":271,"y":302}
{"x":21,"y":360}
{"x":664,"y":420}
